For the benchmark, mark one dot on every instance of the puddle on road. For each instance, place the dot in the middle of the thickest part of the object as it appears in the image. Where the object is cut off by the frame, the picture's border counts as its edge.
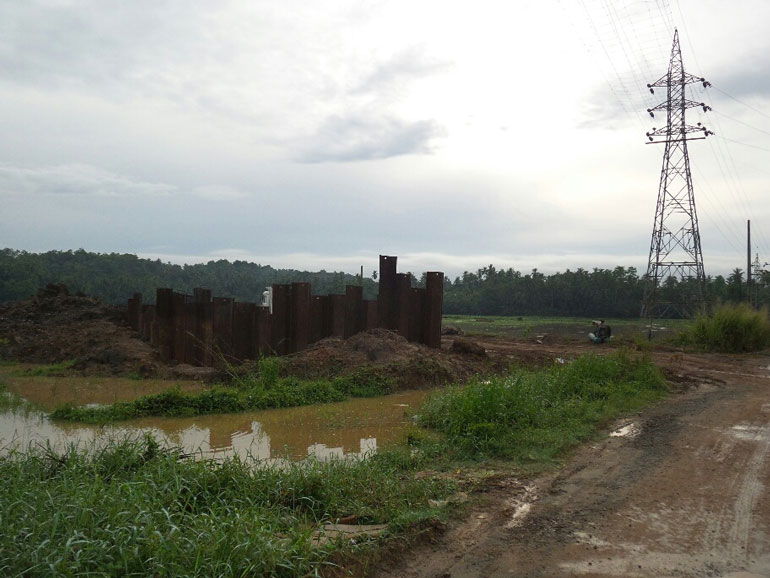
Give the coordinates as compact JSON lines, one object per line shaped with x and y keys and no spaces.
{"x":630,"y":430}
{"x":520,"y":507}
{"x":752,"y":433}
{"x":354,"y":427}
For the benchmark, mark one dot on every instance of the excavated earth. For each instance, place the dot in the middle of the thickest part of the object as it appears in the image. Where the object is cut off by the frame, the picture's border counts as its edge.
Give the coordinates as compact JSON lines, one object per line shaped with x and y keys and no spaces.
{"x":679,"y":490}
{"x":92,"y":337}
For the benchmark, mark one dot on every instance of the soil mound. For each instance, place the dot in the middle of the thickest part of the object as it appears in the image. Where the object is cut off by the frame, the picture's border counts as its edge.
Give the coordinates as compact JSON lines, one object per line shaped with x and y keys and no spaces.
{"x":93,"y":337}
{"x":408,"y":365}
{"x":54,"y":326}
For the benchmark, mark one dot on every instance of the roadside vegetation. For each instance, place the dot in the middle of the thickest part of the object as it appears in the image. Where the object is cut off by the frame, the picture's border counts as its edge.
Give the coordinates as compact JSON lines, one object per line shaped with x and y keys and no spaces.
{"x":132,"y":507}
{"x":731,"y":328}
{"x":135,"y":509}
{"x":533,"y":416}
{"x":262,"y":389}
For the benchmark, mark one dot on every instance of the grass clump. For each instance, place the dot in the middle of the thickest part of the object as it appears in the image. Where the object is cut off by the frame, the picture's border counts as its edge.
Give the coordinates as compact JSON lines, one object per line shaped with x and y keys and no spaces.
{"x":10,"y":401}
{"x":731,"y":328}
{"x":133,"y":508}
{"x":54,"y":369}
{"x":262,"y":389}
{"x":532,"y":416}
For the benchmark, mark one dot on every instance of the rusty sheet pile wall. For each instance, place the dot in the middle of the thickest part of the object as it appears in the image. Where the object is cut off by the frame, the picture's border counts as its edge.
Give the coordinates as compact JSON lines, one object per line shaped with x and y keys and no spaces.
{"x":197,"y":328}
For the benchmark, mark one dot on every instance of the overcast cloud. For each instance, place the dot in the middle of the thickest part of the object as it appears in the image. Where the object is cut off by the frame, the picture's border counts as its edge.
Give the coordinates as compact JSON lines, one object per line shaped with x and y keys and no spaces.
{"x":319,"y":135}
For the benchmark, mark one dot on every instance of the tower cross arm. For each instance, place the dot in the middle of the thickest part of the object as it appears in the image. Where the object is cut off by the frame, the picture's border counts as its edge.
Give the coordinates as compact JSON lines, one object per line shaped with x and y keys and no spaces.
{"x":675,"y":131}
{"x":673,"y":78}
{"x":686,"y":102}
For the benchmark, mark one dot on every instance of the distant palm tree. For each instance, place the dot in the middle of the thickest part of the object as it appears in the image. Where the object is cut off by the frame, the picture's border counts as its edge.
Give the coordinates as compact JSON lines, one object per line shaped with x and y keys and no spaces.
{"x":735,"y":284}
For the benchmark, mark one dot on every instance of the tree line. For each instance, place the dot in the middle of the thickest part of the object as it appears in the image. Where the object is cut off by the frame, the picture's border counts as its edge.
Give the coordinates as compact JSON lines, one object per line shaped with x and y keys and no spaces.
{"x":599,"y":293}
{"x":114,"y":277}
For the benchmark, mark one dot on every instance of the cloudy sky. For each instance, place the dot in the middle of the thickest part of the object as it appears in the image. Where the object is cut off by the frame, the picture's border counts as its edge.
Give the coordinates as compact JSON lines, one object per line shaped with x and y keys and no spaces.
{"x":320,"y":134}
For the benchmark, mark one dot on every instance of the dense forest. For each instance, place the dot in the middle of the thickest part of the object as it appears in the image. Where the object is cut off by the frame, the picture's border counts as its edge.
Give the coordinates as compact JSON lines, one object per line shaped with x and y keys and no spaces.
{"x":115,"y":277}
{"x":598,"y":293}
{"x":489,"y":291}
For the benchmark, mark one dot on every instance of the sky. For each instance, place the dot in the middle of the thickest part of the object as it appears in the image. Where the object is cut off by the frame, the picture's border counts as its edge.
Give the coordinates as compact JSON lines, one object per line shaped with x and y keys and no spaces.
{"x":319,"y":135}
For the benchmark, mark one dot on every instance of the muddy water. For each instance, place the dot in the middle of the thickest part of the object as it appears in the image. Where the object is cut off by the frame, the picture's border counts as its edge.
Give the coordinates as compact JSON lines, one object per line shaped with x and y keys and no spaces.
{"x":354,"y":427}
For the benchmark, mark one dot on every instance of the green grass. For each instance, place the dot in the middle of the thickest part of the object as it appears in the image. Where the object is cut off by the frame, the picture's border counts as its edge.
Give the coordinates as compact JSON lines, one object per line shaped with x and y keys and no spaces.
{"x":135,"y":509}
{"x":9,"y":401}
{"x":533,"y":416}
{"x":54,"y":369}
{"x":731,"y":328}
{"x":571,"y":328}
{"x":262,"y":389}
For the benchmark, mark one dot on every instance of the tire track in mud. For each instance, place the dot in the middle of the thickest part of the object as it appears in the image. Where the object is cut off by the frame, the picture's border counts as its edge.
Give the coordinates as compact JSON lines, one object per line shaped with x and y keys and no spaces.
{"x":685,"y":498}
{"x":750,"y":489}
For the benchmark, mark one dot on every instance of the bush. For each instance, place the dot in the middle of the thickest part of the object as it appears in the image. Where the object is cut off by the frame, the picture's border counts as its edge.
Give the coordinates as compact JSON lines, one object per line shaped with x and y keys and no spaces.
{"x":731,"y":328}
{"x":534,"y":415}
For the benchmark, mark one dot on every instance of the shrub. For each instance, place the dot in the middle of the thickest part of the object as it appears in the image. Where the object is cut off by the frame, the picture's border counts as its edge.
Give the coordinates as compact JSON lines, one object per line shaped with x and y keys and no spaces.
{"x":731,"y":328}
{"x":534,"y":415}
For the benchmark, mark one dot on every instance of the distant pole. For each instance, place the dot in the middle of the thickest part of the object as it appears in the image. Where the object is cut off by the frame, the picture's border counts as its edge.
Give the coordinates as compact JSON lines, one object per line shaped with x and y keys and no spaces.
{"x":362,"y":275}
{"x":748,"y":261}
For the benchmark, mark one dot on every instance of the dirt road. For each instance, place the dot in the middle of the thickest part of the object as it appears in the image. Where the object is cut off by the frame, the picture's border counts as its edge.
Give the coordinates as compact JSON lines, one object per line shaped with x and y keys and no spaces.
{"x":677,"y":491}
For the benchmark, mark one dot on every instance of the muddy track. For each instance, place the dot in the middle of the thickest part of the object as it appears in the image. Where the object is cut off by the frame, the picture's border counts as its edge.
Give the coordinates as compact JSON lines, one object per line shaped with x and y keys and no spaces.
{"x":682,"y":492}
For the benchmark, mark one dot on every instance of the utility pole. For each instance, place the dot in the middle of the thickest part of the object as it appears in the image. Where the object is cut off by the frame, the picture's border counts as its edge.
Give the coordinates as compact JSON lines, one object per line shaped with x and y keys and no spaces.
{"x":748,"y":261}
{"x":756,"y":278}
{"x":675,"y":278}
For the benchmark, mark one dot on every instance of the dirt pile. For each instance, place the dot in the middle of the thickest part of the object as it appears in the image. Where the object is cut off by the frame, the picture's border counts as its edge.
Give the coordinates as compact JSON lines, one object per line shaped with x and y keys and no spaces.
{"x":54,"y":326}
{"x":409,"y":365}
{"x":93,"y":337}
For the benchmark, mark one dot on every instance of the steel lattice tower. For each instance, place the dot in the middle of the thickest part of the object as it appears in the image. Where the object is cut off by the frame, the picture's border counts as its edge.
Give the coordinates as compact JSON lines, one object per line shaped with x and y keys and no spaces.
{"x":675,"y":278}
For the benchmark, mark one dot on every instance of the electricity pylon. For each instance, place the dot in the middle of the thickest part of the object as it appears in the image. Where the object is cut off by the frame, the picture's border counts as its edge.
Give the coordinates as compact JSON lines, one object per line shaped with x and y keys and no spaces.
{"x":675,"y":278}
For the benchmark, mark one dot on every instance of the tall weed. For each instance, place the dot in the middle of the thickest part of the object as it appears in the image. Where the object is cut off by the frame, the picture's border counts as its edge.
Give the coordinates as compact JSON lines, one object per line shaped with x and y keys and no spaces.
{"x":133,"y":508}
{"x":534,"y":415}
{"x":731,"y":328}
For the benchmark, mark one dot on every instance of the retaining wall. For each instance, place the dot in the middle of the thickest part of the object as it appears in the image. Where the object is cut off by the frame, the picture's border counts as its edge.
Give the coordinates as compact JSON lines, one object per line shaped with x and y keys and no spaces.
{"x":197,"y":329}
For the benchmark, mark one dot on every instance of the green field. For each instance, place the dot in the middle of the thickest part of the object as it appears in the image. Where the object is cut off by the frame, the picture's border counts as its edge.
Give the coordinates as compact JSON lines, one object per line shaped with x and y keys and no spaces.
{"x":566,"y":328}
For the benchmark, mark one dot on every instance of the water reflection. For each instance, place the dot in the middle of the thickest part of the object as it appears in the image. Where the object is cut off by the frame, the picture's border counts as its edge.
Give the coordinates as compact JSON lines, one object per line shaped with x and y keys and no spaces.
{"x":356,"y":427}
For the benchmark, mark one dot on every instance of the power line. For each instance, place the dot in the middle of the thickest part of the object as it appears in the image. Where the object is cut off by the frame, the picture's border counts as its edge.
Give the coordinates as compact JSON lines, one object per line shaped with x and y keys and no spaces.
{"x":724,"y":149}
{"x":743,"y":123}
{"x":758,"y":111}
{"x":623,"y":36}
{"x":745,"y":144}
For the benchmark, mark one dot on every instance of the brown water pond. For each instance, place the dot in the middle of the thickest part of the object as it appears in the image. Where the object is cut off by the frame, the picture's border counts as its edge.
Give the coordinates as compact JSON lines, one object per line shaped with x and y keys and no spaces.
{"x":353,"y":427}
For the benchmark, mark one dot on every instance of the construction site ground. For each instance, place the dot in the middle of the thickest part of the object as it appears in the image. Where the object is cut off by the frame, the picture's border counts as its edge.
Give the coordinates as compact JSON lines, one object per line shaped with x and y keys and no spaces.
{"x":678,"y":490}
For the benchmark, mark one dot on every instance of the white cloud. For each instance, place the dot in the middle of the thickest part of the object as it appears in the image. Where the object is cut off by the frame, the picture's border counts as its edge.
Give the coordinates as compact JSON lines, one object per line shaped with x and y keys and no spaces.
{"x":74,"y":179}
{"x":86,"y":180}
{"x":367,"y":136}
{"x":315,"y":133}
